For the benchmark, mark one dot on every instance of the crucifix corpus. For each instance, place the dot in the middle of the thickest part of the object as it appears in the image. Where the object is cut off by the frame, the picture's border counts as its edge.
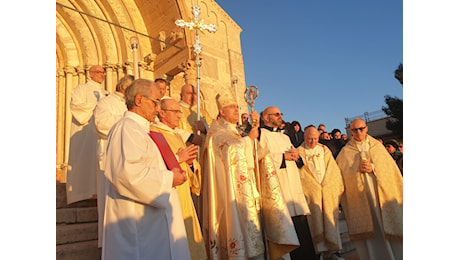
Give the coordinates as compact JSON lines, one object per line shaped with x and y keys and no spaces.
{"x":197,"y":26}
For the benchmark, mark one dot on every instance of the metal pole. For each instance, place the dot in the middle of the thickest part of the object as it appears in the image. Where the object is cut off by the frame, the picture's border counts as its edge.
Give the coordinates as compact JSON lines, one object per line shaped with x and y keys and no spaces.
{"x":197,"y":26}
{"x":235,"y":82}
{"x":198,"y":65}
{"x":134,"y":45}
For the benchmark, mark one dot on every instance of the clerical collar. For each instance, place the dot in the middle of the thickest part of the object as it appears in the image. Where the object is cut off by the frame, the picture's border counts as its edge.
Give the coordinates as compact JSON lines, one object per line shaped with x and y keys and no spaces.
{"x":99,"y":84}
{"x":272,"y":129}
{"x":363,"y":141}
{"x":311,"y":149}
{"x":161,"y":125}
{"x":182,"y":103}
{"x":120,"y":95}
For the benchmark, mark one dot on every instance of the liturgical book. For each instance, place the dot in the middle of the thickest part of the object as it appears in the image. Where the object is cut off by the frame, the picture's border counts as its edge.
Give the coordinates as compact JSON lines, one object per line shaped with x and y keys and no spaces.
{"x":168,"y":156}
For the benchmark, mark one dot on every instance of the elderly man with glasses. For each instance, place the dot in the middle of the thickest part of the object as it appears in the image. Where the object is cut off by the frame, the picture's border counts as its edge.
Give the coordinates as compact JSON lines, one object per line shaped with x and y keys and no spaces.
{"x":143,"y":217}
{"x":81,"y":183}
{"x":373,"y":197}
{"x":169,"y":116}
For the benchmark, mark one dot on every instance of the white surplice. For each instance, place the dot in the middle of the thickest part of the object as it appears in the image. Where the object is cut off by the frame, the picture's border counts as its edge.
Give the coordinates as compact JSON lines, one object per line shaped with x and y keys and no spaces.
{"x":83,"y":162}
{"x":275,"y":144}
{"x":143,"y":218}
{"x":107,"y":112}
{"x":272,"y":147}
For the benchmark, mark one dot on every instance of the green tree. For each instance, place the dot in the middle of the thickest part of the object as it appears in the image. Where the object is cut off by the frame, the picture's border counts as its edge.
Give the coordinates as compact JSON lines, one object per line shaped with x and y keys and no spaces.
{"x":394,"y":109}
{"x":399,"y":73}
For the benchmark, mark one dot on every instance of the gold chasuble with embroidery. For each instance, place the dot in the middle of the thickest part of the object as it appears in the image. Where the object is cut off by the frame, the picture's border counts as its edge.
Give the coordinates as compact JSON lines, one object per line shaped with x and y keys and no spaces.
{"x":193,"y":184}
{"x":388,"y":191}
{"x":323,"y":195}
{"x":189,"y":116}
{"x":231,"y":202}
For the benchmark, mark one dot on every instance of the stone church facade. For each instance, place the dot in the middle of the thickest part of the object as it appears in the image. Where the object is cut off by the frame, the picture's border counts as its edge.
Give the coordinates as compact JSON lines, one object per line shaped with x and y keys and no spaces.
{"x":99,"y":32}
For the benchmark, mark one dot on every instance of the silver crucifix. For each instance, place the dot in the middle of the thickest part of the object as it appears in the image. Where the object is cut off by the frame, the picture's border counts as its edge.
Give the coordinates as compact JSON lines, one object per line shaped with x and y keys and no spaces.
{"x":197,"y":26}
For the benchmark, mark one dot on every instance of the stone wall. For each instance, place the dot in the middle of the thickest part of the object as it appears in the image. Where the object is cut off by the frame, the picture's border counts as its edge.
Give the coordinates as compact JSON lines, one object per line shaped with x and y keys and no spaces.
{"x":90,"y":33}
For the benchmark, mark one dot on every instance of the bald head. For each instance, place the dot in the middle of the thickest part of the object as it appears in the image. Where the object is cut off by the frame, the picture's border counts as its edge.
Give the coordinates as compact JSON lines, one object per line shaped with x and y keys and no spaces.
{"x":311,"y":137}
{"x":97,"y":73}
{"x":272,"y":116}
{"x":188,"y":94}
{"x":359,"y":129}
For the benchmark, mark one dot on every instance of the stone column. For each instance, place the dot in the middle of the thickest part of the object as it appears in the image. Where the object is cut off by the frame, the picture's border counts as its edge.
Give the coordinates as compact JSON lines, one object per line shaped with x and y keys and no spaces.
{"x":110,"y":77}
{"x":128,"y":68}
{"x":70,"y":74}
{"x":142,"y":67}
{"x":169,"y":78}
{"x":60,"y":123}
{"x":189,"y":72}
{"x":120,"y":71}
{"x":83,"y":74}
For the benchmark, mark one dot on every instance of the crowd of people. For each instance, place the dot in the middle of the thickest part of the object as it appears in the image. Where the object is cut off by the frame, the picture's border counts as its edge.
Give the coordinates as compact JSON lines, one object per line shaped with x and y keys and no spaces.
{"x":170,"y":186}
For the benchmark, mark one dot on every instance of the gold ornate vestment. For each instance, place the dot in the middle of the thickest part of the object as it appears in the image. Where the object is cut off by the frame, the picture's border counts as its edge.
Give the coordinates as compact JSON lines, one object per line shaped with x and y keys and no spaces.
{"x":231,"y":223}
{"x":278,"y":226}
{"x":323,"y":199}
{"x":189,"y":116}
{"x":193,"y":183}
{"x":389,"y":192}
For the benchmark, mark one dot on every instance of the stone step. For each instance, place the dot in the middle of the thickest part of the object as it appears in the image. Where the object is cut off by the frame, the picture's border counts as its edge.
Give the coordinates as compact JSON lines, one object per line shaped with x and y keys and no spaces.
{"x":76,"y":215}
{"x":348,"y":251}
{"x":71,"y":233}
{"x":87,"y":250}
{"x":61,"y":199}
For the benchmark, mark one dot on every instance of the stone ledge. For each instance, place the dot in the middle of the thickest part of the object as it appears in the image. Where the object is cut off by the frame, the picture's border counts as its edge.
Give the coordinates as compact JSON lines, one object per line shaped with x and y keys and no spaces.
{"x":76,"y":215}
{"x":87,"y":250}
{"x":61,"y":199}
{"x":76,"y":233}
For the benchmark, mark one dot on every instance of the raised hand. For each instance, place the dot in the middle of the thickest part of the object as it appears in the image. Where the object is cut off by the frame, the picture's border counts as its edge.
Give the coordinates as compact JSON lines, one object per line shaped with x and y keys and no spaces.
{"x":187,"y":154}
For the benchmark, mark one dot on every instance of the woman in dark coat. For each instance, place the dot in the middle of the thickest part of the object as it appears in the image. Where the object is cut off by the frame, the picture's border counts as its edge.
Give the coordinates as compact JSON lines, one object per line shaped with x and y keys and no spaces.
{"x":296,"y":134}
{"x":392,"y":148}
{"x":337,"y":142}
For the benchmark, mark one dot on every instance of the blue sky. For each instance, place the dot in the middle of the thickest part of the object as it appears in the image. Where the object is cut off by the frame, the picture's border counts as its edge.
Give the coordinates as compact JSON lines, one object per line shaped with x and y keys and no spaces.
{"x":320,"y":61}
{"x":348,"y":49}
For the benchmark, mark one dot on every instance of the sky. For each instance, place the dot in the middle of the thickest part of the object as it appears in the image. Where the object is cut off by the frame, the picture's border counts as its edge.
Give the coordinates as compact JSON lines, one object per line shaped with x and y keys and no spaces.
{"x":320,"y":61}
{"x":313,"y":40}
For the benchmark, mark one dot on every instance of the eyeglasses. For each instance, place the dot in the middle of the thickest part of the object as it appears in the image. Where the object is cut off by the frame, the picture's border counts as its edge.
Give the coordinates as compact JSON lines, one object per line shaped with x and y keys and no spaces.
{"x":359,"y":128}
{"x":156,"y":102}
{"x":177,"y":111}
{"x":275,"y":114}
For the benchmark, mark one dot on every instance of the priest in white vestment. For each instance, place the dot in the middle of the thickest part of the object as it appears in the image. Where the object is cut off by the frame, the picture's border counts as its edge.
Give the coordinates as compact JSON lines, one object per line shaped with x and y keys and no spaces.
{"x":107,"y":112}
{"x":231,"y":196}
{"x":143,"y":218}
{"x":373,"y":197}
{"x":323,"y":187}
{"x":81,"y":179}
{"x":277,"y":147}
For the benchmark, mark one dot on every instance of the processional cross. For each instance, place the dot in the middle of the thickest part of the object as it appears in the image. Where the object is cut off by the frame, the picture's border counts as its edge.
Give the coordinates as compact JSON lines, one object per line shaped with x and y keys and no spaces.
{"x":197,"y":26}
